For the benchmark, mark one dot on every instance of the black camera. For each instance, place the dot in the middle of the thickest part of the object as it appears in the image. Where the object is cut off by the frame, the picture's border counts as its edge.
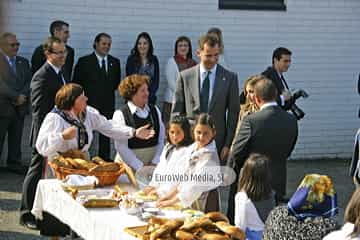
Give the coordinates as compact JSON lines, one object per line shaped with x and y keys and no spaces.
{"x":298,"y":113}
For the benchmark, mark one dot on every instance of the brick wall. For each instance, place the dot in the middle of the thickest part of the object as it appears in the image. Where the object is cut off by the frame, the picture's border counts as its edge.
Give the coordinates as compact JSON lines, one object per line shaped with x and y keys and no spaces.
{"x":323,"y":35}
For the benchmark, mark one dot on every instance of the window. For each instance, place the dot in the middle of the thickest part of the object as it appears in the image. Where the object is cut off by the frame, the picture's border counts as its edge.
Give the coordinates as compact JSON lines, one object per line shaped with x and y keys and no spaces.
{"x":277,"y":5}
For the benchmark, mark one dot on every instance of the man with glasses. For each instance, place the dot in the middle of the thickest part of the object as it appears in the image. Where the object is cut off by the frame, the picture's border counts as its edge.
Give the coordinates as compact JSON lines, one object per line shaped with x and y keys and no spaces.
{"x":15,"y":77}
{"x":44,"y":85}
{"x":59,"y":29}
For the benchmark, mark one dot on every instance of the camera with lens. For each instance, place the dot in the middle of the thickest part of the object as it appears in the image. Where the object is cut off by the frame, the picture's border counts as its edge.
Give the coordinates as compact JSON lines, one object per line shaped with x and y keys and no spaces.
{"x":298,"y":113}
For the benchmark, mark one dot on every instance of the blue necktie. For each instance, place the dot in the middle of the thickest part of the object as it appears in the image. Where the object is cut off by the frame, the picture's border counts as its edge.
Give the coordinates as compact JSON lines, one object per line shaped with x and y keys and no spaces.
{"x":204,"y":94}
{"x":13,"y":64}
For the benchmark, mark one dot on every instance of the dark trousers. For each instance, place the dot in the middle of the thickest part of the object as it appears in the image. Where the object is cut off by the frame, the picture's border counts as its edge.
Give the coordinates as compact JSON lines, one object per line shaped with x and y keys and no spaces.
{"x":104,"y":142}
{"x":33,"y":176}
{"x":104,"y":147}
{"x":13,"y":127}
{"x":231,"y":201}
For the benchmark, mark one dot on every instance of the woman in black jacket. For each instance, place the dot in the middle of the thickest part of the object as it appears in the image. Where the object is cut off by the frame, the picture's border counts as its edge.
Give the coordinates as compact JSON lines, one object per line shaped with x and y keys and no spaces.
{"x":143,"y":61}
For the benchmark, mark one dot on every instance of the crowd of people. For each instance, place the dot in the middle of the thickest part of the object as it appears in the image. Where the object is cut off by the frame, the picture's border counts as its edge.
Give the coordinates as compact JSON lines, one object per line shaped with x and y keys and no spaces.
{"x":205,"y":123}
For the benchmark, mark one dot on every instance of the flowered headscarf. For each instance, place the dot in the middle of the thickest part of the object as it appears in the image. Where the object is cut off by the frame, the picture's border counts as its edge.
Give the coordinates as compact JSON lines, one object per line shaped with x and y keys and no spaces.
{"x":314,"y":197}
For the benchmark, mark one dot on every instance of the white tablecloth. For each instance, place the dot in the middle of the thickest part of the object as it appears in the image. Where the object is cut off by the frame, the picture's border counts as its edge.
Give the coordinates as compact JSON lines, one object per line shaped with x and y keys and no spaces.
{"x":105,"y":224}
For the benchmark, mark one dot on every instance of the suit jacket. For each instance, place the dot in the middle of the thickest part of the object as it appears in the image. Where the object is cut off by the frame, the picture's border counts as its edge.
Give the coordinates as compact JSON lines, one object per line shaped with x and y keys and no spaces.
{"x":354,"y":168}
{"x":44,"y":85}
{"x":100,"y":92}
{"x":13,"y":84}
{"x":272,"y":74}
{"x":271,"y":131}
{"x":223,"y":106}
{"x":38,"y":59}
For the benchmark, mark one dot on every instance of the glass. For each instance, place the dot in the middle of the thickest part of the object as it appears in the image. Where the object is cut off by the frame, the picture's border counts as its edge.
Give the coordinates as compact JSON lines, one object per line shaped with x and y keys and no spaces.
{"x":17,"y":44}
{"x":59,"y":53}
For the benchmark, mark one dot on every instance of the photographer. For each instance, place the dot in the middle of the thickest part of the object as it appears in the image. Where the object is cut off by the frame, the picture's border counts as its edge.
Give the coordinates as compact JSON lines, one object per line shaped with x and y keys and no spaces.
{"x":281,"y":61}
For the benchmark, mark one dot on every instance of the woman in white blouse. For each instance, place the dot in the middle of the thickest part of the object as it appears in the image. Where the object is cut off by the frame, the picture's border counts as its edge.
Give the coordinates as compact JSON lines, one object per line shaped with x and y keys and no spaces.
{"x":351,"y":228}
{"x":71,"y":123}
{"x":69,"y":126}
{"x":181,"y":60}
{"x":137,"y":112}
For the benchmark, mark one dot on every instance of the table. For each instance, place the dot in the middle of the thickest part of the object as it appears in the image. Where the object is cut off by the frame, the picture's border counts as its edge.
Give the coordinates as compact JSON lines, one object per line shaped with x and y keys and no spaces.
{"x":90,"y":224}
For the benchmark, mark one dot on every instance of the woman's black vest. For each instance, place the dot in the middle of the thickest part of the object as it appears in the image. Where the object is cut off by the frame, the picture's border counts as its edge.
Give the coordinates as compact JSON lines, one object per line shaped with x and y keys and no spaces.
{"x":134,"y":121}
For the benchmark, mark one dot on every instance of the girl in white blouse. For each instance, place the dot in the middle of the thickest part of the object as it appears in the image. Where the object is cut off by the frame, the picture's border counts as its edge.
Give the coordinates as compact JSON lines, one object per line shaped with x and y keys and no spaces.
{"x":255,"y":198}
{"x":71,"y":123}
{"x":171,"y":159}
{"x":201,"y":169}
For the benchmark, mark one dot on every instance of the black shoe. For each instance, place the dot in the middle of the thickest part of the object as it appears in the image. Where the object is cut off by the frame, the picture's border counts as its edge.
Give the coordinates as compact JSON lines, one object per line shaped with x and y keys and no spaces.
{"x":28,"y":220}
{"x":30,"y":224}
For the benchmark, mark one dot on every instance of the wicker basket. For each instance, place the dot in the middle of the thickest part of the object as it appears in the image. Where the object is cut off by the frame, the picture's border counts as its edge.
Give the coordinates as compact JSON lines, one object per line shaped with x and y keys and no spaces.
{"x":105,"y":178}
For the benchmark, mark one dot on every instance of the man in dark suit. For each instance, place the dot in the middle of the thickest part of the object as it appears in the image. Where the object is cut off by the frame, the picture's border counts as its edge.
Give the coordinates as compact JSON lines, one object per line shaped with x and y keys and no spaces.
{"x":99,"y":74}
{"x":59,"y":29}
{"x":281,"y":61}
{"x":44,"y":85}
{"x":210,"y":88}
{"x":15,"y":77}
{"x":270,"y":131}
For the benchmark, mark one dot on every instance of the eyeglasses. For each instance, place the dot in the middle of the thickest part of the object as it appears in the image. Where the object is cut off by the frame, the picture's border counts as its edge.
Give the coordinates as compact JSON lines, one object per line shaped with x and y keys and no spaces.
{"x":58,"y":53}
{"x":17,"y":44}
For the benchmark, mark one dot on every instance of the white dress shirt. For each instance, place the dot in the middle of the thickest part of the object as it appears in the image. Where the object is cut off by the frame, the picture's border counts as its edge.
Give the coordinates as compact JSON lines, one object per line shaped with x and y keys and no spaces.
{"x":99,"y":58}
{"x":57,"y":70}
{"x":121,"y":146}
{"x":268,"y":105}
{"x":50,"y":140}
{"x":203,"y":73}
{"x":171,"y":165}
{"x":246,"y":215}
{"x":205,"y":158}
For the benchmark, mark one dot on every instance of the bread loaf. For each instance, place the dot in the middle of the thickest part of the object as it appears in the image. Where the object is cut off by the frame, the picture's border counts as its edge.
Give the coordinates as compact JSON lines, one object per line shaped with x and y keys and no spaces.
{"x":214,"y":236}
{"x":198,"y":223}
{"x":217,"y":216}
{"x":75,"y":153}
{"x":108,"y":167}
{"x":231,"y":230}
{"x":182,"y":235}
{"x":98,"y":160}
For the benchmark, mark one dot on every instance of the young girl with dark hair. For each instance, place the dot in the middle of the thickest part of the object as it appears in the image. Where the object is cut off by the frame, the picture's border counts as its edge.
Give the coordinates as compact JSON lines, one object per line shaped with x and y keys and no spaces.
{"x":171,"y":159}
{"x":255,"y":198}
{"x":200,"y":159}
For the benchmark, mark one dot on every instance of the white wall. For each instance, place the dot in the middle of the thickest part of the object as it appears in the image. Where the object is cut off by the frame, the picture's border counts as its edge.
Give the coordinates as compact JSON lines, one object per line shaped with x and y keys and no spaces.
{"x":323,"y":35}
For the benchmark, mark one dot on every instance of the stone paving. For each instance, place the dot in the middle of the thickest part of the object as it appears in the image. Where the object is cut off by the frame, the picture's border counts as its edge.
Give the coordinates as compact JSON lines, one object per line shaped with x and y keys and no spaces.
{"x":11,"y":183}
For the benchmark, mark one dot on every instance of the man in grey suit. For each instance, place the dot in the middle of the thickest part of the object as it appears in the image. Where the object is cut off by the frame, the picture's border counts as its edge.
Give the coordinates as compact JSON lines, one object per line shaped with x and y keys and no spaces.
{"x":271,"y":131}
{"x":15,"y":77}
{"x":210,"y":88}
